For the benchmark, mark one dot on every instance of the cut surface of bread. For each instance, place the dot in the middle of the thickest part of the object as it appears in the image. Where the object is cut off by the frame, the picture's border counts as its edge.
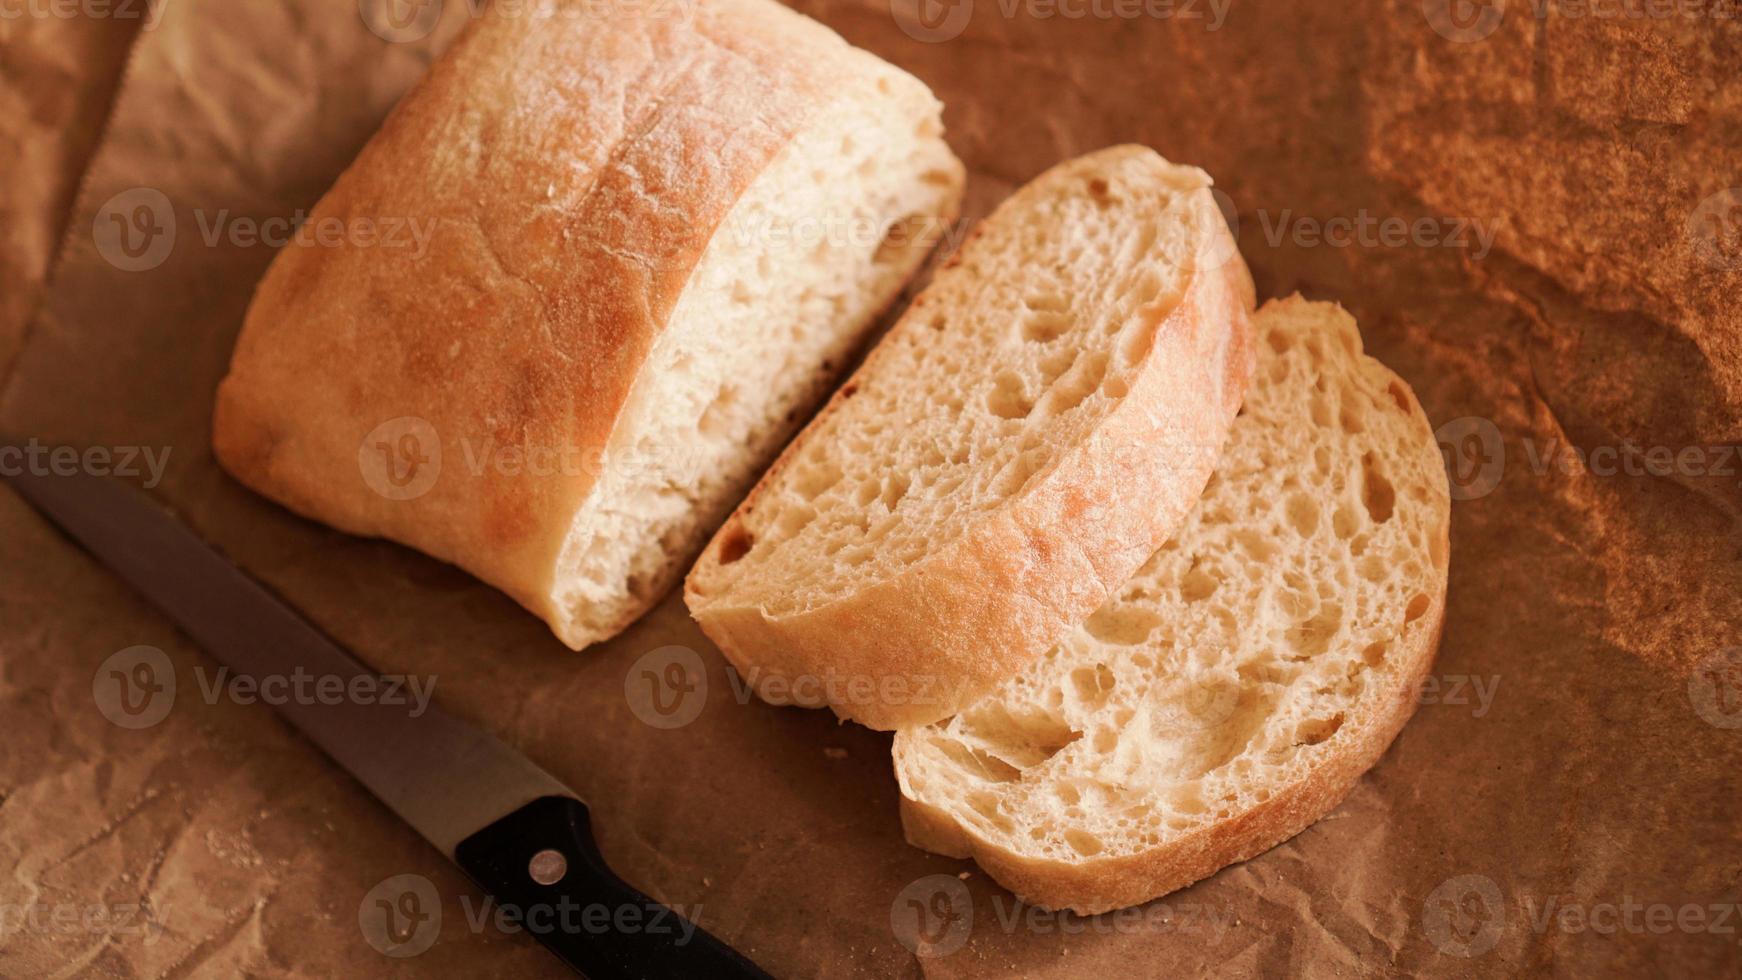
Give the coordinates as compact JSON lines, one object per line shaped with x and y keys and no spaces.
{"x":656,"y":241}
{"x":1033,"y":427}
{"x":1234,"y":689}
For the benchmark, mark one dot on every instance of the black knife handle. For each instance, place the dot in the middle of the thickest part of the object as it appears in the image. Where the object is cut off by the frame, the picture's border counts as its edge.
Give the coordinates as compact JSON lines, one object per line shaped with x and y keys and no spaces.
{"x":595,"y":921}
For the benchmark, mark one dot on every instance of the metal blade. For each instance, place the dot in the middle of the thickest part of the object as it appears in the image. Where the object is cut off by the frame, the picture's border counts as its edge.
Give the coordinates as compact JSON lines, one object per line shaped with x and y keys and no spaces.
{"x":443,"y":776}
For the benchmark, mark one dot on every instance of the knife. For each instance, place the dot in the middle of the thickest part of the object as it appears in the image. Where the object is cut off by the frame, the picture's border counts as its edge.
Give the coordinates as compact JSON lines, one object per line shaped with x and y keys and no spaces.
{"x":515,"y":830}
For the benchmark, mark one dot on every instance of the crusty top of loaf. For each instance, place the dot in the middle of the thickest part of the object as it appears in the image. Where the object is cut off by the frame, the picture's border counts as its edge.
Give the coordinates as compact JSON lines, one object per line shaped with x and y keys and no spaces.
{"x":576,"y":158}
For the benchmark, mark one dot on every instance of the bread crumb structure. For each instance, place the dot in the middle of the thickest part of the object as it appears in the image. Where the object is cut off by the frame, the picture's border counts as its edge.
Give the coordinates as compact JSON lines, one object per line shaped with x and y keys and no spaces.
{"x":1235,"y":688}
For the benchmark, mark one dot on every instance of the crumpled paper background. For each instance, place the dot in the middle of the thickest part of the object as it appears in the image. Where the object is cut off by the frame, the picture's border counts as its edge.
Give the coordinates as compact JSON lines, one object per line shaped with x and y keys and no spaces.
{"x":1563,"y":288}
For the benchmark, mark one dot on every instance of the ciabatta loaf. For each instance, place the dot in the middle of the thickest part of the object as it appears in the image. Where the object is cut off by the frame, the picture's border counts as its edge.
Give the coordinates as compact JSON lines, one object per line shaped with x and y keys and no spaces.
{"x":1030,"y":431}
{"x":652,"y":236}
{"x":1234,"y":690}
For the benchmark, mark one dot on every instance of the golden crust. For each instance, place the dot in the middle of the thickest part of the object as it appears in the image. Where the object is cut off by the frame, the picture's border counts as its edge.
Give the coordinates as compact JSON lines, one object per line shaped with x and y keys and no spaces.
{"x":575,"y":161}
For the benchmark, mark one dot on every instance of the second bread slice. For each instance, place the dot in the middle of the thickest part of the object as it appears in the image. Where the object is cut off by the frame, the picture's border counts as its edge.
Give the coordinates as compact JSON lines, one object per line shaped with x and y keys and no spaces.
{"x":1033,"y":428}
{"x":1234,"y":689}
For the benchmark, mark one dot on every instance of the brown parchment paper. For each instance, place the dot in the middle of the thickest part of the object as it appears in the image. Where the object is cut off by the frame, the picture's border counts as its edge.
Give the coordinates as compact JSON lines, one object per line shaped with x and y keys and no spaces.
{"x":57,"y":79}
{"x":1568,"y":790}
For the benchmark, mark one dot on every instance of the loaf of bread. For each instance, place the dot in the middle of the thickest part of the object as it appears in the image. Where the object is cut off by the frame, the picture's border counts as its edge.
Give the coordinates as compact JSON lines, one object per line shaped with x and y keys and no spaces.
{"x":1234,"y":690}
{"x":656,"y":233}
{"x":1033,"y":427}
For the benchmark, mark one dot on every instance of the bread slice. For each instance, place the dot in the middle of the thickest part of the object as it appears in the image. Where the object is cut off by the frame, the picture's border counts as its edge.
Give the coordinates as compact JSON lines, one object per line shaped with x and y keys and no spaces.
{"x":1028,"y":433}
{"x":655,"y":237}
{"x":1235,"y":688}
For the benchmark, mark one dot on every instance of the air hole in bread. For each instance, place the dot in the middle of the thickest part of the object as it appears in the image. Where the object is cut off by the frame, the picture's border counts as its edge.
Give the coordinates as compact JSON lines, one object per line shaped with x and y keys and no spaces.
{"x":1417,"y":606}
{"x":1122,"y":625}
{"x":1377,"y":494}
{"x":1344,"y":523}
{"x":986,"y":805}
{"x":1317,"y":730}
{"x":1198,"y":585}
{"x":1099,"y":191}
{"x":1083,"y":842}
{"x":1079,"y":384}
{"x":1303,"y":515}
{"x":1398,"y":395}
{"x":1374,"y":653}
{"x":894,"y":488}
{"x":735,"y":545}
{"x":1044,"y":326}
{"x":1008,"y":399}
{"x":1093,"y":684}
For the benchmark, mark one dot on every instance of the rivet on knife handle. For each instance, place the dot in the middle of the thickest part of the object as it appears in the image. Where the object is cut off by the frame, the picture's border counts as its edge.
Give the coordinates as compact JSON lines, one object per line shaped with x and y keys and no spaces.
{"x":542,"y":865}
